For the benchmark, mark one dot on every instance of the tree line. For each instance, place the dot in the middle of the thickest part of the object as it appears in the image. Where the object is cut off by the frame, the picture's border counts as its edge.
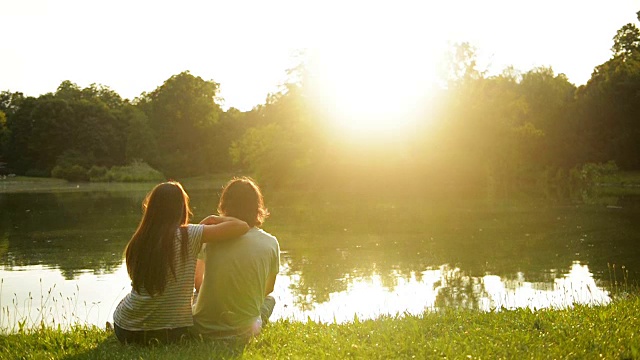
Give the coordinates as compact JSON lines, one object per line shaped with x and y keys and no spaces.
{"x":175,"y":128}
{"x":502,"y":129}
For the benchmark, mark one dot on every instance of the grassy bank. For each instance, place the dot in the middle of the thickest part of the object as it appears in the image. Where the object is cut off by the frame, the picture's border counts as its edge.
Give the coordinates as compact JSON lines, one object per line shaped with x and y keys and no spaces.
{"x":610,"y":332}
{"x":625,"y":182}
{"x":23,"y":184}
{"x":624,"y":178}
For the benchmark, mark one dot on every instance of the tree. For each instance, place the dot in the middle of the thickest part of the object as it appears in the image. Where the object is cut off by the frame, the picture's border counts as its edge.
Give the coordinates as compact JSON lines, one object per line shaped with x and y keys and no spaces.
{"x":626,"y":41}
{"x":141,"y":144}
{"x":284,"y":144}
{"x":182,"y":114}
{"x":484,"y":134}
{"x":4,"y":135}
{"x":462,"y":64}
{"x":52,"y":121}
{"x":97,"y":132}
{"x":609,"y":104}
{"x":550,"y":99}
{"x":20,"y":125}
{"x":103,"y":94}
{"x":10,"y":102}
{"x":68,"y":91}
{"x":76,"y":125}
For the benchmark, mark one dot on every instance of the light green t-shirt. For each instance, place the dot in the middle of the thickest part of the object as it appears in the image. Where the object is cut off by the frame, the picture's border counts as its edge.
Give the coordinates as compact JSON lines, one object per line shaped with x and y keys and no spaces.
{"x":235,"y":281}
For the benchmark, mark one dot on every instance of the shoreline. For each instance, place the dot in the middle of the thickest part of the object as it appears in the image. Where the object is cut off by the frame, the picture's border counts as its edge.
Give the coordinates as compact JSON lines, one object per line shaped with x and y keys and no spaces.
{"x":608,"y":331}
{"x":627,"y":181}
{"x":22,"y":184}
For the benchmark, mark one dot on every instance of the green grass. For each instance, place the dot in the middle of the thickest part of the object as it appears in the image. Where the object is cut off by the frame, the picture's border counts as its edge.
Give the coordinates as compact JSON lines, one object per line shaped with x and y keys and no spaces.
{"x":582,"y":332}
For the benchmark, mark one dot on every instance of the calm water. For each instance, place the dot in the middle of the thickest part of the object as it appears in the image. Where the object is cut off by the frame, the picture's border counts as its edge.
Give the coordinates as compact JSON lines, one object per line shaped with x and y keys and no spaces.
{"x":342,"y":256}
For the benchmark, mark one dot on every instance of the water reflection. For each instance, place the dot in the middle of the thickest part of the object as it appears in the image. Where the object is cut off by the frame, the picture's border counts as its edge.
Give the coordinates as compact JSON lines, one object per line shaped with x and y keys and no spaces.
{"x":576,"y":287}
{"x":73,"y":232}
{"x":341,"y":257}
{"x":364,"y":298}
{"x":435,"y":289}
{"x":91,"y":298}
{"x":38,"y":294}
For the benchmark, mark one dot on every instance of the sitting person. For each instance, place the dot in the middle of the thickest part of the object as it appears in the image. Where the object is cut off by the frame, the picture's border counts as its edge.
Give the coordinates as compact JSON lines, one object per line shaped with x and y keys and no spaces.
{"x":239,"y":275}
{"x":161,"y":260}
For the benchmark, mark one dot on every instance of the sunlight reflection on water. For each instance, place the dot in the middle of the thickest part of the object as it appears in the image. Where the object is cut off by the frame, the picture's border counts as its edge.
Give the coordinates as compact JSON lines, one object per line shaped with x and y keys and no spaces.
{"x":367,"y":298}
{"x":91,"y":299}
{"x":576,"y":287}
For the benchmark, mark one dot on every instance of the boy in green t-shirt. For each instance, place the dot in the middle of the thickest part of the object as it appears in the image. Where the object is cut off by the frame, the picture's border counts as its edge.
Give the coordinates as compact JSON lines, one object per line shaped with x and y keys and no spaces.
{"x":234,"y":278}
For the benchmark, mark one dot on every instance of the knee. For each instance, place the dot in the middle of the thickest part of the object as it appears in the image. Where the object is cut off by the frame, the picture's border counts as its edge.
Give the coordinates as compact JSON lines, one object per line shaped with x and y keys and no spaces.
{"x":270,"y":300}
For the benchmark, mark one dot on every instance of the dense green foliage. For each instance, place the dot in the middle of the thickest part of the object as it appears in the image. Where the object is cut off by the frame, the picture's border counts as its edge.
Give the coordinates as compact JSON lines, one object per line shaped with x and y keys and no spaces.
{"x":74,"y":133}
{"x":609,"y":332}
{"x":473,"y":130}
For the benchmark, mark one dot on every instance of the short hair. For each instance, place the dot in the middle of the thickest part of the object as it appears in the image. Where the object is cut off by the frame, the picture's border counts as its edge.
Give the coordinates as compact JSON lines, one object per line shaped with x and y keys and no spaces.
{"x":242,"y":199}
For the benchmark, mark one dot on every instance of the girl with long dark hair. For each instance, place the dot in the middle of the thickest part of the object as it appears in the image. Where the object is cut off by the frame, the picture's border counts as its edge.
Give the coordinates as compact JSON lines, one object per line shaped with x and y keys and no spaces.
{"x":161,"y":259}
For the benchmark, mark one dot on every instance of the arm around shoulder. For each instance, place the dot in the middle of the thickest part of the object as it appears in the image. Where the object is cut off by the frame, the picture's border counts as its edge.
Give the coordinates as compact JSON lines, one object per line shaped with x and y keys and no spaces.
{"x":216,"y":219}
{"x":226,"y":230}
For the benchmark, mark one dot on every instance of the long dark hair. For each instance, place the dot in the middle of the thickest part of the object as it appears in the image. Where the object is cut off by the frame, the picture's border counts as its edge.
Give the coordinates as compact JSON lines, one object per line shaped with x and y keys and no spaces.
{"x":150,"y":252}
{"x":242,"y":199}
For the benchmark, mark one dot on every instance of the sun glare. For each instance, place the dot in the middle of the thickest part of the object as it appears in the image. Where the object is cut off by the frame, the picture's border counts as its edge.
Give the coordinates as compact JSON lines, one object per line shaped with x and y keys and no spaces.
{"x":373,"y":91}
{"x":371,"y":79}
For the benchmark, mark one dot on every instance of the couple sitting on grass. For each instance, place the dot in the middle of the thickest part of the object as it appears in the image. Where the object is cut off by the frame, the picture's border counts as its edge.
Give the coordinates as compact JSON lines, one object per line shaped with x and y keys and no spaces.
{"x":234,"y":264}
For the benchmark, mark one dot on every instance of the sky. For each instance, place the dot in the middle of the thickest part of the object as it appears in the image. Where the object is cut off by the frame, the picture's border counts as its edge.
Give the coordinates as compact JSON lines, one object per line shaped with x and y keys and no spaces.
{"x":133,"y":46}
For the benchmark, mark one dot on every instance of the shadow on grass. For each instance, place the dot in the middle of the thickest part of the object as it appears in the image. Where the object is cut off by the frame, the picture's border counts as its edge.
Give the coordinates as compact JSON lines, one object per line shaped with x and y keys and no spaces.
{"x":192,"y":348}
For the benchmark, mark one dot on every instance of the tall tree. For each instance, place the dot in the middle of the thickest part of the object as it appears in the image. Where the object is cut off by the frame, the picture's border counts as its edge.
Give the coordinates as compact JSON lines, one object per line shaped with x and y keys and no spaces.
{"x":285,"y":144}
{"x":52,"y":121}
{"x":20,"y":124}
{"x":10,"y":102}
{"x":97,"y":133}
{"x":626,"y":42}
{"x":141,"y":144}
{"x":609,"y":103}
{"x":73,"y":125}
{"x":4,"y":135}
{"x":182,"y":114}
{"x":550,"y":99}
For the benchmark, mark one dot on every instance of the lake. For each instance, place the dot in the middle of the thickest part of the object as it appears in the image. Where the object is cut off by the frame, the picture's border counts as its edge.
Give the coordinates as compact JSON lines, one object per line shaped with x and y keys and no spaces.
{"x":343,"y":255}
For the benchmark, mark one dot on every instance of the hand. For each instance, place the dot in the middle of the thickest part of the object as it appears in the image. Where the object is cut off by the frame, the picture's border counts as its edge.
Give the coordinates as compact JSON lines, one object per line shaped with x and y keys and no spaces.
{"x":212,"y":220}
{"x":216,"y":219}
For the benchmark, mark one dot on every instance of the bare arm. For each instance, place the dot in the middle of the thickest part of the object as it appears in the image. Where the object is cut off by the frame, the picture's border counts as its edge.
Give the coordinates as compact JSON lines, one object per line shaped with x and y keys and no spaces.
{"x":216,"y":219}
{"x":228,"y":229}
{"x":199,"y":274}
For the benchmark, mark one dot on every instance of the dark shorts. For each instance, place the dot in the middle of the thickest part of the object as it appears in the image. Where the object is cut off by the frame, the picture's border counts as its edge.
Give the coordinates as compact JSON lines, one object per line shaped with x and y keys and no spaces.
{"x":148,"y":337}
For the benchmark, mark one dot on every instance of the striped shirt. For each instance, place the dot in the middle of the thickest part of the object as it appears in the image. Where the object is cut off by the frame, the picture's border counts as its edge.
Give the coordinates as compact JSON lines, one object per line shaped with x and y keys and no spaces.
{"x":172,"y":309}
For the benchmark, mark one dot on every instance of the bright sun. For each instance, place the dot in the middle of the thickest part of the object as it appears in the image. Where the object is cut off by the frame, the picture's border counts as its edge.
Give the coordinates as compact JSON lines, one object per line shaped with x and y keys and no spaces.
{"x":369,"y":91}
{"x":374,"y":69}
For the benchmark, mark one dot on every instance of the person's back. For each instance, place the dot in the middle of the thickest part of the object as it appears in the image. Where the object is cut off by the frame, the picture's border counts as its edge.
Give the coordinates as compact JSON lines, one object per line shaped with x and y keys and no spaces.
{"x":239,"y":274}
{"x":236,"y":281}
{"x":161,"y":263}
